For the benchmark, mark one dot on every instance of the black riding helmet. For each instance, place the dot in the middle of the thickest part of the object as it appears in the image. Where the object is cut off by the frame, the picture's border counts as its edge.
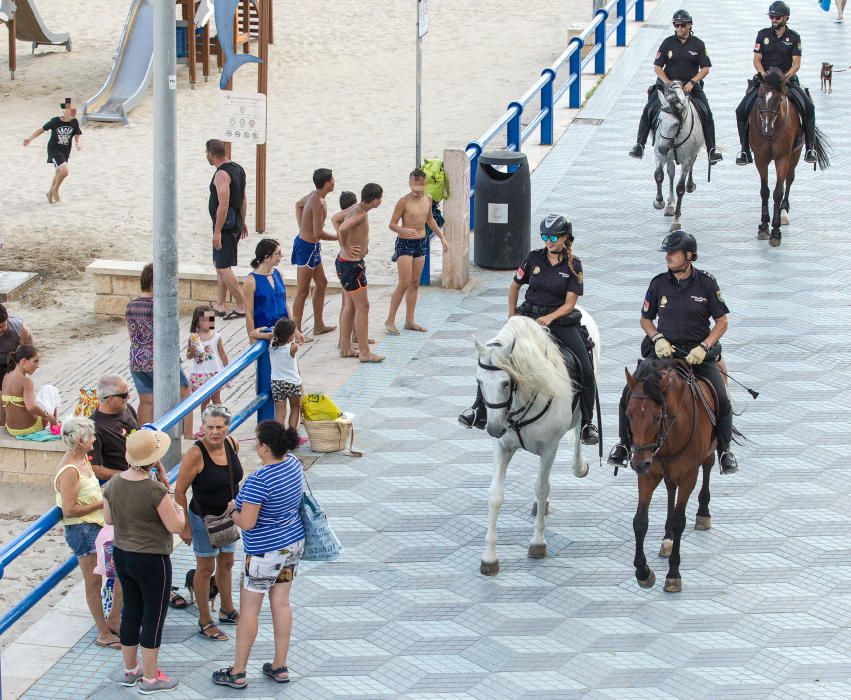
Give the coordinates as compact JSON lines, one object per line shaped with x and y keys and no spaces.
{"x":680,"y":240}
{"x":557,"y":225}
{"x":778,"y":9}
{"x":682,"y":16}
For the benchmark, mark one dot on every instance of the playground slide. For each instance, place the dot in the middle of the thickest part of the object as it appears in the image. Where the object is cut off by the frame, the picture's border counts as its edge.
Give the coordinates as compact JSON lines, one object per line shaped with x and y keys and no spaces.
{"x":131,"y":72}
{"x":29,"y":26}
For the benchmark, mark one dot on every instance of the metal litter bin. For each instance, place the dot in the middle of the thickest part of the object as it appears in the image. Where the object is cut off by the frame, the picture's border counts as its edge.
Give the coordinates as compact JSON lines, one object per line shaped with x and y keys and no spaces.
{"x":503,"y":210}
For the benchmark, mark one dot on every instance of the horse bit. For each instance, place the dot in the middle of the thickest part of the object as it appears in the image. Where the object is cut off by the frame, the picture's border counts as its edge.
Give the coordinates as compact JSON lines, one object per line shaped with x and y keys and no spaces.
{"x":515,"y":419}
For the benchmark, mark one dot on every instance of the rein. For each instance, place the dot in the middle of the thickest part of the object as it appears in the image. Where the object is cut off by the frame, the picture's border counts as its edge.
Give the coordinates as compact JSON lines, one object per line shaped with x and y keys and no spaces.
{"x":516,"y":419}
{"x":681,"y":121}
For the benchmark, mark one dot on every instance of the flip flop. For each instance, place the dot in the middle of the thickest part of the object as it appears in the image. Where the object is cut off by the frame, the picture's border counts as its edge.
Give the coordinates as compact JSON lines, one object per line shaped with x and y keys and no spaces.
{"x":108,"y":645}
{"x":230,"y":618}
{"x":234,"y":315}
{"x":176,"y":600}
{"x":372,"y":359}
{"x":268,"y":670}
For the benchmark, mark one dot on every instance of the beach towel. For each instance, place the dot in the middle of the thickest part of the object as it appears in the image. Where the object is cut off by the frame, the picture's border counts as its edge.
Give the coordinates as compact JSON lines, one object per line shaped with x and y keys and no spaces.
{"x":40,"y":436}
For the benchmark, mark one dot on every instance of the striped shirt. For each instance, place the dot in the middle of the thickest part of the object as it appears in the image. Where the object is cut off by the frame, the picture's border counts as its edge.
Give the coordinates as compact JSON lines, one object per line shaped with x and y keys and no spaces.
{"x":278,"y":489}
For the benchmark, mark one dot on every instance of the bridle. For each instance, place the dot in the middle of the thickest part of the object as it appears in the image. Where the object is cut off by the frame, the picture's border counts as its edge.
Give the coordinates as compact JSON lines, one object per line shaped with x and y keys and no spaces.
{"x":681,"y":119}
{"x":515,"y":419}
{"x":774,"y":112}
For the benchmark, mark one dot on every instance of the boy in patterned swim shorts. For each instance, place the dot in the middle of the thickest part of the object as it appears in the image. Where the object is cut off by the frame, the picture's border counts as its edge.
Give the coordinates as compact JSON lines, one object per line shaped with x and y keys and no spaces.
{"x":352,"y":226}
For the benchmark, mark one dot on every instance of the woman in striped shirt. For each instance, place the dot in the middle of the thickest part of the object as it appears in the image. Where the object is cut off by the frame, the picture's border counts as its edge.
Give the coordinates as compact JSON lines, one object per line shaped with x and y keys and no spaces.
{"x":267,"y":512}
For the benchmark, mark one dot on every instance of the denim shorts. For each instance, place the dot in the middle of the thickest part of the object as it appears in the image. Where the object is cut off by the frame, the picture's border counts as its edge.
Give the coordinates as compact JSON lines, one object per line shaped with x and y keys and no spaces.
{"x":144,"y":381}
{"x":81,"y":538}
{"x":201,"y":540}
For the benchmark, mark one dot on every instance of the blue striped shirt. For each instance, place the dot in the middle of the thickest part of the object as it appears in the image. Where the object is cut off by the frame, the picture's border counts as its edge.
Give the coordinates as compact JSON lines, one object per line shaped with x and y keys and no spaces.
{"x":277,"y":489}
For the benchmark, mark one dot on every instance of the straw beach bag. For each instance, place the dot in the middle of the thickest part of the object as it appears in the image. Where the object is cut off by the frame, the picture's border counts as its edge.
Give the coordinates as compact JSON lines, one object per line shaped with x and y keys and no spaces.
{"x":332,"y":436}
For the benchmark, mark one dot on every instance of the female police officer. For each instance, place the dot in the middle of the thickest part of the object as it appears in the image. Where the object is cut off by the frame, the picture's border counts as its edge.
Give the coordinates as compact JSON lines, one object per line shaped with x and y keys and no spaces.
{"x":683,"y":299}
{"x":554,"y":277}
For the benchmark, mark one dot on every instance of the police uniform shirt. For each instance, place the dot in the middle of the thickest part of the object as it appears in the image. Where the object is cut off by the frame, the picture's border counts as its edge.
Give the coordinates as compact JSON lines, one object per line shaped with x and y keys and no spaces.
{"x":777,"y":51}
{"x":682,"y":60}
{"x":684,"y":306}
{"x":548,"y":284}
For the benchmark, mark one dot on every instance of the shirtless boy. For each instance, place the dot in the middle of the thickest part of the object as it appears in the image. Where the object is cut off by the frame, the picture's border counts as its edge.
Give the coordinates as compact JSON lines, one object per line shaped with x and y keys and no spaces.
{"x":414,"y":212}
{"x":310,"y":213}
{"x":352,"y":225}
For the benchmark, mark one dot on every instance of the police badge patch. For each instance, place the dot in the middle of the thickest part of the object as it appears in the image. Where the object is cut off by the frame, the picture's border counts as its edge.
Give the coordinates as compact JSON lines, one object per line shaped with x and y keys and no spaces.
{"x":670,"y":54}
{"x":536,"y":270}
{"x":720,"y":296}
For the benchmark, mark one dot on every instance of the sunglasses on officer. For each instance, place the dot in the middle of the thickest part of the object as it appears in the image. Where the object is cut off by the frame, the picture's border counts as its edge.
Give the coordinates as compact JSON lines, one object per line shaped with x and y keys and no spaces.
{"x":680,"y":25}
{"x":551,"y":238}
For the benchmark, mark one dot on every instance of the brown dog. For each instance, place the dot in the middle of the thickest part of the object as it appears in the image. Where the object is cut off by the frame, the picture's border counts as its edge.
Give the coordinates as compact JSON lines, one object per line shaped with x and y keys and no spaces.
{"x":827,"y":77}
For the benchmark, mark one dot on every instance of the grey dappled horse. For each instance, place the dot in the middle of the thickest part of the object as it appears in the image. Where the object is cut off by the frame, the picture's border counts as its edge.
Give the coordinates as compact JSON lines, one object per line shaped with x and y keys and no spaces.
{"x":679,"y":139}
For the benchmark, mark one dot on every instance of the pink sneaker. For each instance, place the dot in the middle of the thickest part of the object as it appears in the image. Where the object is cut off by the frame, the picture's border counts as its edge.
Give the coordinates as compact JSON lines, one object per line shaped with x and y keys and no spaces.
{"x":161,"y":683}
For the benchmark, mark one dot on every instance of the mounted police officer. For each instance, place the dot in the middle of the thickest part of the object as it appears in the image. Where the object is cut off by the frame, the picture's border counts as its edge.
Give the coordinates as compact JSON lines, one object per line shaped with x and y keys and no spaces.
{"x":684,"y":299}
{"x":777,"y":46}
{"x":682,"y":56}
{"x":555,"y":282}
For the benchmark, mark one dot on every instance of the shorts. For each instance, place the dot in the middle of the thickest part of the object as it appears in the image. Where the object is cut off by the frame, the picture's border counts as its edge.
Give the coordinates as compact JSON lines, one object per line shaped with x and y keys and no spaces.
{"x":306,"y":254}
{"x":351,"y":273}
{"x":262,"y":571}
{"x":281,"y":390}
{"x":201,"y":540}
{"x":226,"y":256}
{"x":57,"y":158}
{"x":144,"y":381}
{"x":415,"y":247}
{"x":196,"y":381}
{"x":81,"y":538}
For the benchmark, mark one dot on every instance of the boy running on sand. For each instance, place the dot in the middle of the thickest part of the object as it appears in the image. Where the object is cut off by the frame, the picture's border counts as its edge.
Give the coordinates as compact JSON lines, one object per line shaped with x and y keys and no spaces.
{"x":61,"y":129}
{"x":352,"y":226}
{"x":310,"y":213}
{"x":414,"y":211}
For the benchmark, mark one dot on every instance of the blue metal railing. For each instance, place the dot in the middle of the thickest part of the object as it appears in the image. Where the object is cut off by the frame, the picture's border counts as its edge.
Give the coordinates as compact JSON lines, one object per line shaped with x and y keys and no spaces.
{"x":515,"y":135}
{"x":261,"y":404}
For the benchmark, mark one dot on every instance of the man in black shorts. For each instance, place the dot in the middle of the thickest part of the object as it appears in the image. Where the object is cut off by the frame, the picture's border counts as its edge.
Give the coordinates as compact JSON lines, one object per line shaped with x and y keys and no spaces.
{"x":62,"y":130}
{"x":352,"y":226}
{"x":228,"y":207}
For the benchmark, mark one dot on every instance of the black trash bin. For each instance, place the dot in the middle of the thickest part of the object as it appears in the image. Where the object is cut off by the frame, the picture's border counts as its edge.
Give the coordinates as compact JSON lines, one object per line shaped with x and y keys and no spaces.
{"x":503,"y":210}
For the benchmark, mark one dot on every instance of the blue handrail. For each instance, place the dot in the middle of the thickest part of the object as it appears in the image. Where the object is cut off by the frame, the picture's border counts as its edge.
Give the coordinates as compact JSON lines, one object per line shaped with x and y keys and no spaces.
{"x":516,"y":135}
{"x":261,"y":404}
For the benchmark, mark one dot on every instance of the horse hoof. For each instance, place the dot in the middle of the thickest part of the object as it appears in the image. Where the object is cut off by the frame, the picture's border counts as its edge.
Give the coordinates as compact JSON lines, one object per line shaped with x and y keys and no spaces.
{"x":703,"y":522}
{"x":676,"y":227}
{"x":649,"y":581}
{"x":489,"y":568}
{"x":535,"y":508}
{"x":762,"y":234}
{"x":538,"y":551}
{"x":774,"y":240}
{"x":691,"y":187}
{"x":784,"y":217}
{"x":657,"y":204}
{"x":582,"y":472}
{"x":665,"y":549}
{"x":669,"y":211}
{"x":673,"y":585}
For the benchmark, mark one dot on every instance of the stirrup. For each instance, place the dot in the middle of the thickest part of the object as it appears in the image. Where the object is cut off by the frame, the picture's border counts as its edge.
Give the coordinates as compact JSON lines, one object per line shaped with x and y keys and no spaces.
{"x":811,"y":156}
{"x":618,"y":456}
{"x":637,"y":151}
{"x":728,"y":463}
{"x":715,"y":156}
{"x":744,"y":157}
{"x":471,"y":418}
{"x":589,"y":435}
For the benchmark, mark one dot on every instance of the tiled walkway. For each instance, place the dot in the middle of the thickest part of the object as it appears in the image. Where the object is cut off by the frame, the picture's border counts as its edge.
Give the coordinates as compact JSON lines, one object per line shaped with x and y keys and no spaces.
{"x":767,"y":592}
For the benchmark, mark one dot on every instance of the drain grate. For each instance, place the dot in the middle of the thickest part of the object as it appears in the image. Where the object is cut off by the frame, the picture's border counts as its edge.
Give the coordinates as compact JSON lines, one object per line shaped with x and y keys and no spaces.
{"x":588,"y":120}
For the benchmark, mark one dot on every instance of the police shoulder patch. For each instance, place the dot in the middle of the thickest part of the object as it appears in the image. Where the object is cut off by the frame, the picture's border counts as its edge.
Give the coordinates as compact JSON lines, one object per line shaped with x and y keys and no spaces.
{"x":720,"y":296}
{"x":708,"y":274}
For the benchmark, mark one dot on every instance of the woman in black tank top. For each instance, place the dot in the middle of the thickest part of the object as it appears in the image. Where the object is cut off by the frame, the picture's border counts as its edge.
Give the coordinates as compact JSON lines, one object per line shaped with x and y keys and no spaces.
{"x":212,"y":469}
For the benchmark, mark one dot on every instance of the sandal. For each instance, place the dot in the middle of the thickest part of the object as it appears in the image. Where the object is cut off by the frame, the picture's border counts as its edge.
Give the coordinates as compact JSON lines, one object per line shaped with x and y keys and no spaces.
{"x":230,"y":618}
{"x":175,"y":600}
{"x":230,"y":316}
{"x":226,"y":677}
{"x":273,"y":673}
{"x":219,"y":636}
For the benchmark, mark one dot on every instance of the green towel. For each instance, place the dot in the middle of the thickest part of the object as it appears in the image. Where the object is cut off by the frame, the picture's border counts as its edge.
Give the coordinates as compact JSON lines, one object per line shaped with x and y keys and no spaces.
{"x":41,"y":436}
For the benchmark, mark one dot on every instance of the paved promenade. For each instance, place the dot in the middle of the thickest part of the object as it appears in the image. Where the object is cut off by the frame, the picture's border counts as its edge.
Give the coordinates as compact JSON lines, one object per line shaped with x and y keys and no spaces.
{"x":766,"y":600}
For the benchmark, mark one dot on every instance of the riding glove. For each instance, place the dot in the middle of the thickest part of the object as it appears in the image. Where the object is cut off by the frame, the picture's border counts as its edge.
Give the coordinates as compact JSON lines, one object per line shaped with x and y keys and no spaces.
{"x":696,"y":356}
{"x":663,"y":347}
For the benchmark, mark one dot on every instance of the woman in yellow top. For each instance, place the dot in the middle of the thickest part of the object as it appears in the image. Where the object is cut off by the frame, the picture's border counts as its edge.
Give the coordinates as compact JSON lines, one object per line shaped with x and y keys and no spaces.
{"x":21,"y":413}
{"x":79,"y":495}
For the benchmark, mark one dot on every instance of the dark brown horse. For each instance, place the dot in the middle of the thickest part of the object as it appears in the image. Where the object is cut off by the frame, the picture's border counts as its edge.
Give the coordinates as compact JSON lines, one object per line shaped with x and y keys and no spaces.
{"x":774,"y":131}
{"x":670,"y":416}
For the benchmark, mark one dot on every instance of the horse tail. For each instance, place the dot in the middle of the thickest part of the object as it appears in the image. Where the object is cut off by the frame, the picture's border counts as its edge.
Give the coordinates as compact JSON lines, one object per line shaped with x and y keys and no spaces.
{"x":823,"y":149}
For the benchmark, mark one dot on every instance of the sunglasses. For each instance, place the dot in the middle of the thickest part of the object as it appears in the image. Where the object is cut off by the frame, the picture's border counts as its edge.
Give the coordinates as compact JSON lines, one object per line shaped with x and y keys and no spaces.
{"x":550,"y":238}
{"x":679,"y":25}
{"x":123,"y":396}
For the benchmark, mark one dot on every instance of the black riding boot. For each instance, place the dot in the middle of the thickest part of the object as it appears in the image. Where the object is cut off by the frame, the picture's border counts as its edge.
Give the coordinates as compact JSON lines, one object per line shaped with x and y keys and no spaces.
{"x":620,"y":452}
{"x":643,"y":133}
{"x":709,"y":138}
{"x":742,"y":113}
{"x":476,"y":415}
{"x":724,"y":436}
{"x":810,"y":138}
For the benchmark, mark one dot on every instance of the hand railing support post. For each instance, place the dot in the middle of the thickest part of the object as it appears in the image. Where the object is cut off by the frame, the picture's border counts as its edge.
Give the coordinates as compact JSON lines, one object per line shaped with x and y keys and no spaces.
{"x":621,"y":32}
{"x":547,"y":107}
{"x":639,"y":10}
{"x":264,"y":386}
{"x":474,"y":166}
{"x":600,"y":41}
{"x":575,"y":74}
{"x":513,"y":140}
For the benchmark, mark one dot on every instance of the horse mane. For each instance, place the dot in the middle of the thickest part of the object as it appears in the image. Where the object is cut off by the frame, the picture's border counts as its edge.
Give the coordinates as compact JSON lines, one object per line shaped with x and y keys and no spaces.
{"x":775,"y":79}
{"x":650,"y":372}
{"x":534,"y":360}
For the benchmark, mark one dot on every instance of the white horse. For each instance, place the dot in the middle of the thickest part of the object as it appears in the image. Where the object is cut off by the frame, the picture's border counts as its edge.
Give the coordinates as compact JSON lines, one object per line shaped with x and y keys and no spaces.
{"x":679,"y":140}
{"x":529,"y":398}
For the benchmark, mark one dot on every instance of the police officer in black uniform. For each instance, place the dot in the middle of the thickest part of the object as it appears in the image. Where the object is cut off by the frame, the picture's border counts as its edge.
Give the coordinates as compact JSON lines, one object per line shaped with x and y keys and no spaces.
{"x":777,"y":46}
{"x":682,"y":56}
{"x":684,"y":299}
{"x":555,"y":282}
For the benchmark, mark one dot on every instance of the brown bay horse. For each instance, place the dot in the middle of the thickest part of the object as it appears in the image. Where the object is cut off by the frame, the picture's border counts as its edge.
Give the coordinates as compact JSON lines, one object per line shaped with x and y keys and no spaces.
{"x":775,"y":134}
{"x":671,"y":415}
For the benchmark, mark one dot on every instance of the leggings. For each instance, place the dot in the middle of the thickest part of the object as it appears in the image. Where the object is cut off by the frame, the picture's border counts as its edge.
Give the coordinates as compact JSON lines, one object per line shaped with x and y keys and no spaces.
{"x":146,"y":583}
